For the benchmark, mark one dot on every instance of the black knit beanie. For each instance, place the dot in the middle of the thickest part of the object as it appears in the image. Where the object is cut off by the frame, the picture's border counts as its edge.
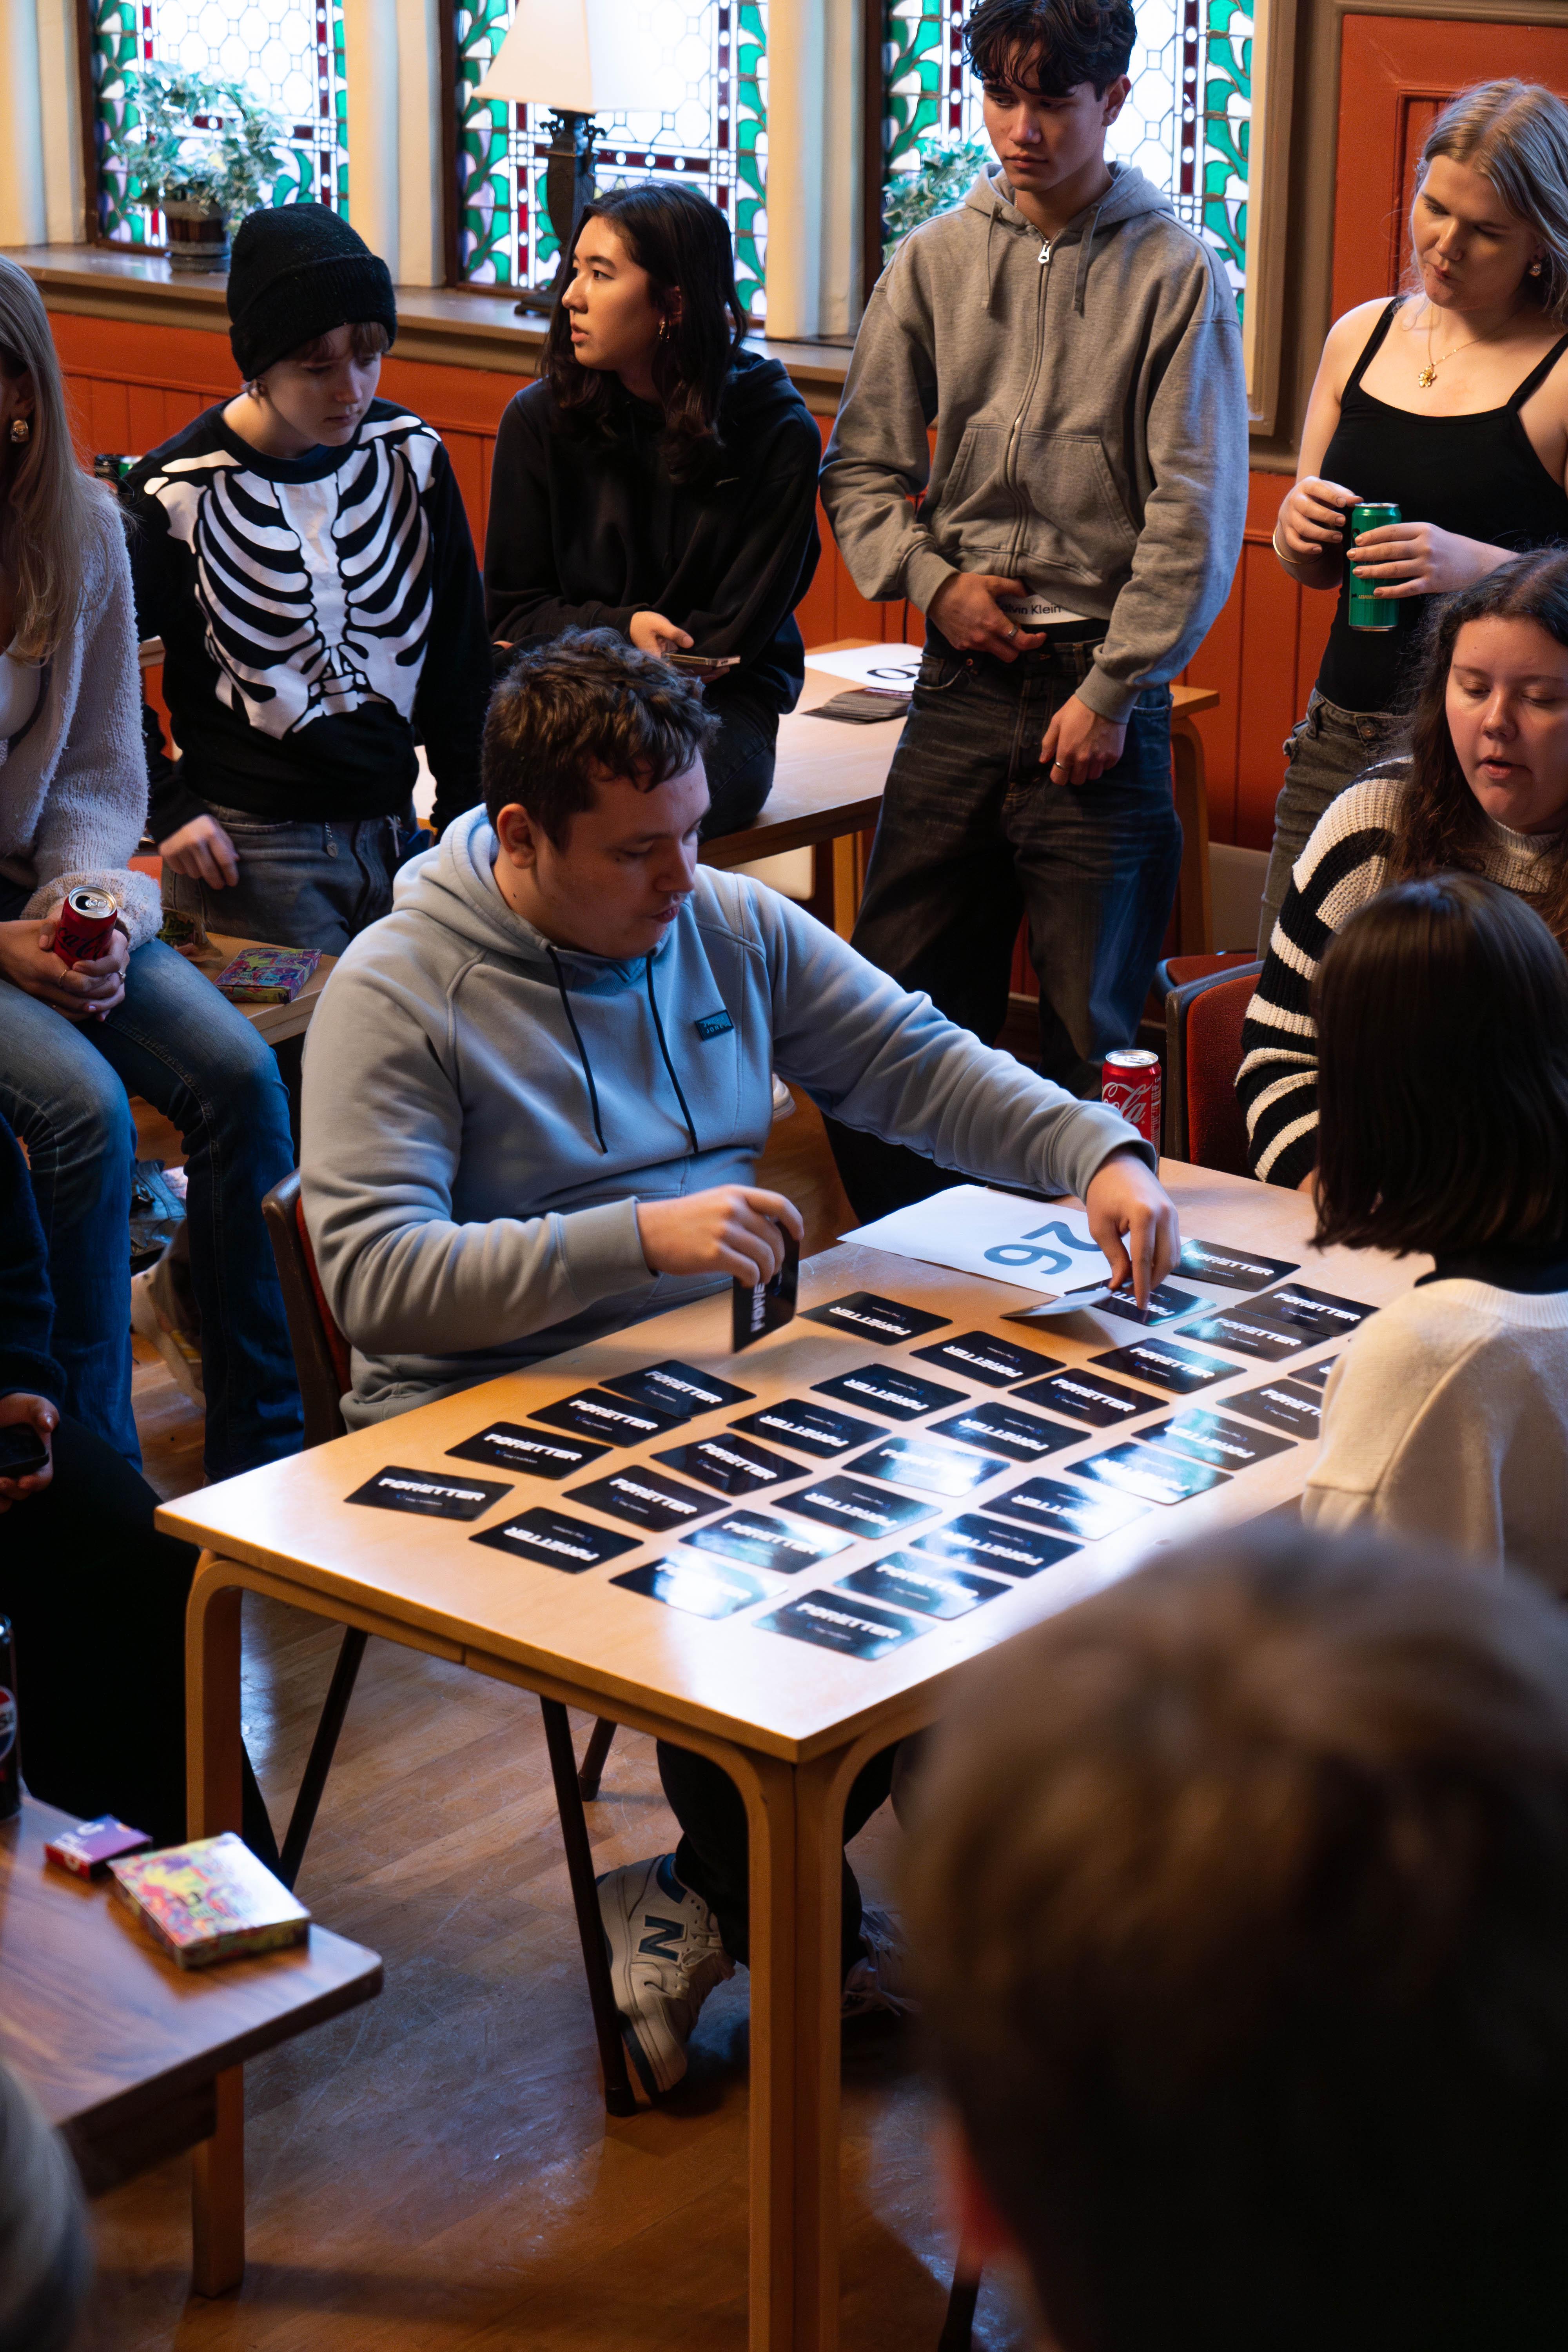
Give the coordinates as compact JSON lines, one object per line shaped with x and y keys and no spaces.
{"x":298,"y":271}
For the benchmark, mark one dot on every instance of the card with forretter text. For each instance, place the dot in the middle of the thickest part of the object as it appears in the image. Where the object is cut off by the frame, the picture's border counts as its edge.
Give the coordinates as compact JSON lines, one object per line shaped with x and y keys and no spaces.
{"x":702,"y":1589}
{"x":931,"y":1469}
{"x":858,"y":1508}
{"x":1283,"y":1405}
{"x":902,"y":1581}
{"x":890,"y":1391}
{"x":427,"y":1493}
{"x":647,"y":1499}
{"x":1021,"y":1436}
{"x":982,"y":1356}
{"x":1319,"y":1312}
{"x":1231,"y":1269}
{"x":733,"y":1464}
{"x":1088,"y":1396}
{"x":1154,"y":1472}
{"x":856,"y":1629}
{"x":1214,"y":1438}
{"x":680,"y":1389}
{"x":809,"y":1428}
{"x":1166,"y":1364}
{"x":865,"y":1315}
{"x":980,"y":1541}
{"x":1064,"y":1508}
{"x":538,"y":1453}
{"x":1249,"y":1333}
{"x":594,"y":1412}
{"x":763,"y":1539}
{"x":556,"y":1540}
{"x":762,"y":1307}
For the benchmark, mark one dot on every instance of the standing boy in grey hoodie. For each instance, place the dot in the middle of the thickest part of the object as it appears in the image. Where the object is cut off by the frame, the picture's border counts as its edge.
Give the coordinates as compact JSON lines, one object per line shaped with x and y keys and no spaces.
{"x":1076,"y":534}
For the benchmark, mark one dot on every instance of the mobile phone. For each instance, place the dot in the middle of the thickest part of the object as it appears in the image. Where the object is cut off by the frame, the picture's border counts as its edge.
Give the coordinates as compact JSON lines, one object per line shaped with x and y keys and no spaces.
{"x":703,"y":664}
{"x":22,"y":1451}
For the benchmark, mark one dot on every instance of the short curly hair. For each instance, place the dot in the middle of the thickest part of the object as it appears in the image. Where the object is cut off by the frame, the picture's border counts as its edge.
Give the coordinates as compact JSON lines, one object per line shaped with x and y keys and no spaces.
{"x":582,"y":707}
{"x":1051,"y":46}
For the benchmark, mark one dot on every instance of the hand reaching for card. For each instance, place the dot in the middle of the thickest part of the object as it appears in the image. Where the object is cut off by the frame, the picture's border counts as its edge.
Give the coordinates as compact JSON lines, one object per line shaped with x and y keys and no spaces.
{"x":1123,"y":1198}
{"x":734,"y":1230}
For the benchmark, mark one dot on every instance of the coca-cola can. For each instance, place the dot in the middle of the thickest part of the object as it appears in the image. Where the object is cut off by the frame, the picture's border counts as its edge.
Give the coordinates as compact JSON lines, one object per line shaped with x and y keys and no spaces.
{"x":10,"y":1743}
{"x":1131,"y":1084}
{"x":82,"y":925}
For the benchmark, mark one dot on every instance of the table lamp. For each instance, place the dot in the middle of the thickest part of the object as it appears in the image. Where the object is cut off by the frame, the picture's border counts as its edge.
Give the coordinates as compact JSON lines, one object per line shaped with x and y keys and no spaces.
{"x":578,"y":57}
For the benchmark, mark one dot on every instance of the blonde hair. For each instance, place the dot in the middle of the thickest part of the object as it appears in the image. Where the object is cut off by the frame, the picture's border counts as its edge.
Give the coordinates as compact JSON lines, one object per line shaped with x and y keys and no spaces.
{"x":1515,"y":135}
{"x":50,"y":510}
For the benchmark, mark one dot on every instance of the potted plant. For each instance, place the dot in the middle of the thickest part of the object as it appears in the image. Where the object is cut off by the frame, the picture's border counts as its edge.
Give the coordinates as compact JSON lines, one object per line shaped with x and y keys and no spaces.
{"x":203,"y":151}
{"x":940,"y":180}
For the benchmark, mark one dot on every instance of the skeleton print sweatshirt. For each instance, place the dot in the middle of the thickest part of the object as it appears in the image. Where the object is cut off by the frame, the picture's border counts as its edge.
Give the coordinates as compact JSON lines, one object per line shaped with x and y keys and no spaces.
{"x":319,"y":616}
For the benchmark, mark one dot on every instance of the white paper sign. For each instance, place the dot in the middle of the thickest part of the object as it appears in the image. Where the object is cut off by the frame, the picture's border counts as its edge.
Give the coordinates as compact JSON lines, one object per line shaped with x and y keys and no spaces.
{"x":1036,"y":1244}
{"x":888,"y":666}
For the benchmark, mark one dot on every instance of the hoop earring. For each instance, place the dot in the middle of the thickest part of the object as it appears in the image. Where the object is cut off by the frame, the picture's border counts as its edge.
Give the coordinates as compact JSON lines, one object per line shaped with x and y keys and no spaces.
{"x":20,"y":429}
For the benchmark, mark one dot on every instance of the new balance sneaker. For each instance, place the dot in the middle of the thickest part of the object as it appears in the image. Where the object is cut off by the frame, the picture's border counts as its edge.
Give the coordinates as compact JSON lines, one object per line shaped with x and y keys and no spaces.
{"x":880,"y":1981}
{"x":665,"y":1960}
{"x":155,"y":1315}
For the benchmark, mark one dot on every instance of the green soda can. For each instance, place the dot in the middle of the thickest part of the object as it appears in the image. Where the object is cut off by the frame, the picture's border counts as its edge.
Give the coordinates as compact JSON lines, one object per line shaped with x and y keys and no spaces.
{"x":1368,"y":611}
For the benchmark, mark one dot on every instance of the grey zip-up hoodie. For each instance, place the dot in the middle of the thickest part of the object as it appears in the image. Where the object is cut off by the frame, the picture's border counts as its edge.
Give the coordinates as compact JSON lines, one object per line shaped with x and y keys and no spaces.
{"x":1090,"y":406}
{"x":482,"y":1109}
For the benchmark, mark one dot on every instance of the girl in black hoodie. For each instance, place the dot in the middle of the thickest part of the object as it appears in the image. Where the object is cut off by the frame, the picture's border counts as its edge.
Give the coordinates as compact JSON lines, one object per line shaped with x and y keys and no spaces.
{"x":660,"y":480}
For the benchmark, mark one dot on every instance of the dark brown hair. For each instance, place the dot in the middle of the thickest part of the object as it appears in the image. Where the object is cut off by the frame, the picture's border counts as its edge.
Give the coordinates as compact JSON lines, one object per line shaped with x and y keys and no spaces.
{"x":368,"y":339}
{"x":1051,"y":46}
{"x":1442,"y":1018}
{"x":683,"y":243}
{"x":1440,"y":824}
{"x":585,"y":706}
{"x":1239,"y":1899}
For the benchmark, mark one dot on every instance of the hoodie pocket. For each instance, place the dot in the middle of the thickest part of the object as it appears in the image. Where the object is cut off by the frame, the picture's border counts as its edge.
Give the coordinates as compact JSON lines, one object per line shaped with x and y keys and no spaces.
{"x":1074,"y":522}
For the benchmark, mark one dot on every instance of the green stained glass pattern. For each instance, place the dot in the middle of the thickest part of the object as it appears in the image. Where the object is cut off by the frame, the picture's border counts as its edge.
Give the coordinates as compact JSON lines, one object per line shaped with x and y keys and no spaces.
{"x":706,"y":123}
{"x":1186,"y":124}
{"x":289,"y":52}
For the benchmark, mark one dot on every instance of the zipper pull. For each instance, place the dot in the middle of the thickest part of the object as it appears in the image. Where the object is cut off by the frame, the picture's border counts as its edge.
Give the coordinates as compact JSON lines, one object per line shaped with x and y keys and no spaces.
{"x":1044,"y":252}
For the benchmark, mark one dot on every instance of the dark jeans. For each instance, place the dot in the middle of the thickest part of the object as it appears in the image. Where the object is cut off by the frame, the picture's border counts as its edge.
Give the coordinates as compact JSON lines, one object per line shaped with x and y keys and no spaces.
{"x":972,"y":835}
{"x":301,"y":886}
{"x":97,"y":1602}
{"x":1324,"y":753}
{"x":714,"y":1853}
{"x":740,"y":765}
{"x":64,"y":1088}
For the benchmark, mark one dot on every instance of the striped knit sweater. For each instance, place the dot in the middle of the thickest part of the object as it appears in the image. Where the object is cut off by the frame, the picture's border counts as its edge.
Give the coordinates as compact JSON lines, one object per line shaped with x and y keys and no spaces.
{"x":1343,"y":865}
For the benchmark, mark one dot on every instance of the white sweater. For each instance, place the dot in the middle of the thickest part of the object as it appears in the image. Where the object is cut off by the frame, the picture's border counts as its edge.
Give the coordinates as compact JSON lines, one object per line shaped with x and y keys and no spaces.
{"x":1448,"y":1417}
{"x":73,"y":785}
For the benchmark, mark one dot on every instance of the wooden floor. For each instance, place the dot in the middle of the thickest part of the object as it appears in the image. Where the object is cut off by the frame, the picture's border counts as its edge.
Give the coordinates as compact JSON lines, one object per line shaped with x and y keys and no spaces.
{"x":438,"y":2170}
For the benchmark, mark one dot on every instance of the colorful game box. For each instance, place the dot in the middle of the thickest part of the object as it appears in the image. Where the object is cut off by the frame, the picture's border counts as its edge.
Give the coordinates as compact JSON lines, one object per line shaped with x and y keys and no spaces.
{"x":210,"y":1901}
{"x":267,"y":975}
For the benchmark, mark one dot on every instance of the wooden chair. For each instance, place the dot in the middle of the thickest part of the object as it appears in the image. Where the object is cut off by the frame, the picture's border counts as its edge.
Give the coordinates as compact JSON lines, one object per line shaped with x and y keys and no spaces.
{"x":322,"y":1367}
{"x":1203,"y":1019}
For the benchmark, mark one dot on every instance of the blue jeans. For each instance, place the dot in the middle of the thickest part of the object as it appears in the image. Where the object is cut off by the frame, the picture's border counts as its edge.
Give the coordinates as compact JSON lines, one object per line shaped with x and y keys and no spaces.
{"x":63,"y":1087}
{"x":972,"y":835}
{"x":301,"y":886}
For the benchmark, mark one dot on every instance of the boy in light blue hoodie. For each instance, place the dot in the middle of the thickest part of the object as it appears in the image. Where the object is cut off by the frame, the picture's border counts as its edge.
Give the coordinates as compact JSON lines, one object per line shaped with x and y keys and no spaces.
{"x":534,"y":1097}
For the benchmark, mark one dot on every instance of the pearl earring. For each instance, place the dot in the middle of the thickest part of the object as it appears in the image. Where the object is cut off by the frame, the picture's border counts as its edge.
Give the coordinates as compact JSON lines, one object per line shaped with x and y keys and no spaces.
{"x":1536,"y":267}
{"x":20,"y":429}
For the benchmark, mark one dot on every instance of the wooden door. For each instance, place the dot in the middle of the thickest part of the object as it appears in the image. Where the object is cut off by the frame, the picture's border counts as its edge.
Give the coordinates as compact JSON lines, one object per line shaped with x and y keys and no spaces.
{"x":1396,"y":74}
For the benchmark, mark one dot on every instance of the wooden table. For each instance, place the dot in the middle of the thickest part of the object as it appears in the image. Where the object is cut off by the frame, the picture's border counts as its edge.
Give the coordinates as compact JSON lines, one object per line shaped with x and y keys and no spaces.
{"x":829,"y":778}
{"x":273,"y":1021}
{"x":133,"y":2059}
{"x":792,"y":1724}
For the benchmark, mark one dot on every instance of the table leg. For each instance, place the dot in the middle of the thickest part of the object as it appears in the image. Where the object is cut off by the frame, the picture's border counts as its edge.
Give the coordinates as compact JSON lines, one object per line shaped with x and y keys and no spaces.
{"x":1195,"y":910}
{"x":213,"y":1802}
{"x":768,"y":1787}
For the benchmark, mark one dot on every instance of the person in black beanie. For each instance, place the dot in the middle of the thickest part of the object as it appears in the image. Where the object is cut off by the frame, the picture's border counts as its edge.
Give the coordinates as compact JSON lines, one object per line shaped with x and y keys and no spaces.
{"x":304,"y":555}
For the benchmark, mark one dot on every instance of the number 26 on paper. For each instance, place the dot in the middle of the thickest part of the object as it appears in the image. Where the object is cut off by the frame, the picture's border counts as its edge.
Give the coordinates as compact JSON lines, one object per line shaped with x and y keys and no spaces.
{"x":1049,"y":1261}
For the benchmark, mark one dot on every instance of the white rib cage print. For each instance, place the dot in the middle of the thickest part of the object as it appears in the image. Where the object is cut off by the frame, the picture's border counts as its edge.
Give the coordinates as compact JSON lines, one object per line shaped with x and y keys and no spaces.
{"x":316,"y":595}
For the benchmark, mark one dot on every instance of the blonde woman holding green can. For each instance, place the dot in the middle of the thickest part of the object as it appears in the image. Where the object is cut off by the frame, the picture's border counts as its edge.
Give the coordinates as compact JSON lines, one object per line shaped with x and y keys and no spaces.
{"x":1447,"y":405}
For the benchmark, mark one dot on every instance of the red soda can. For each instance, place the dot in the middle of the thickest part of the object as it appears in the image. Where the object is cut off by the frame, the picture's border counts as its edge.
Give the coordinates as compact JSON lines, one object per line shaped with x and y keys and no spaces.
{"x":1131,"y":1084}
{"x":82,"y":925}
{"x":10,"y":1755}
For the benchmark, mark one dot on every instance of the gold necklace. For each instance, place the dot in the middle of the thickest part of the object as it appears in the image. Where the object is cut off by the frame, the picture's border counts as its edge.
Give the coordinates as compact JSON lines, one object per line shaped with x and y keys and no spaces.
{"x":1429,"y":375}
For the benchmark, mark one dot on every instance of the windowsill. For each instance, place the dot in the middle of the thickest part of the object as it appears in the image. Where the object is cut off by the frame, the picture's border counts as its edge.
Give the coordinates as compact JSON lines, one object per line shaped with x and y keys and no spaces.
{"x":470,"y":327}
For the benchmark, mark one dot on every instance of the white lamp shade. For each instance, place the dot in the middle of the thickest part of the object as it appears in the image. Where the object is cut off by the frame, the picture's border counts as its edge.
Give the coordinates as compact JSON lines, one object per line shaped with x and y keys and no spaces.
{"x":583,"y":56}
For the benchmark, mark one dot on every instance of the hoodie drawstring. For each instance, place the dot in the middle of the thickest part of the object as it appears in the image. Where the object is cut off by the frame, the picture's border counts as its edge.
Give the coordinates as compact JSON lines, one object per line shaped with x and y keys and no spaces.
{"x":582,"y":1050}
{"x":664,"y":1049}
{"x":1086,"y":247}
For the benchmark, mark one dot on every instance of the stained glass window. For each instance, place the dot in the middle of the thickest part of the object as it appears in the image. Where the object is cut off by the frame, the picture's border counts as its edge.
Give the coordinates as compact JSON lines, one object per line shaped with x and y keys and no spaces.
{"x":289,"y":53}
{"x":706,"y":123}
{"x":1186,"y":124}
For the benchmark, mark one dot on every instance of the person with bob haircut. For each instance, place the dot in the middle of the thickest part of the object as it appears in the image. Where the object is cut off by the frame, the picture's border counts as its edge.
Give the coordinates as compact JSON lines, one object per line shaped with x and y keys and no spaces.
{"x":1482,"y":790}
{"x":1442,"y":1014}
{"x":660,"y":480}
{"x":560,"y":1048}
{"x":1238,"y":1896}
{"x":138,"y":1019}
{"x":1450,"y":402}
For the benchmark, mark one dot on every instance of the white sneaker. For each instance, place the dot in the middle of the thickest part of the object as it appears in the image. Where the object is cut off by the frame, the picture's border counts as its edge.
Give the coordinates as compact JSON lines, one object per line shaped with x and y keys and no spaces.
{"x":879,"y":1982}
{"x":783,"y":1101}
{"x":180,"y":1354}
{"x":665,"y":1960}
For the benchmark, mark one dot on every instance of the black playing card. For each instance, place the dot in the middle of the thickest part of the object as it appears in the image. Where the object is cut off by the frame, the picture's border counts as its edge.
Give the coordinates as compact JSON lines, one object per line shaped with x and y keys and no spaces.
{"x":1021,"y":1436}
{"x":763,"y":1541}
{"x":427,"y":1494}
{"x":1153,"y":1472}
{"x":867,"y":1316}
{"x":1069,"y":1510}
{"x":1088,"y":1396}
{"x":646,"y":1497}
{"x":983,"y":1542}
{"x":557,"y":1539}
{"x":810,"y":1428}
{"x":856,"y":1629}
{"x":1165,"y":1304}
{"x":702,"y":1589}
{"x":679,"y":1389}
{"x":1231,"y":1269}
{"x":1249,"y":1334}
{"x":1223,"y":1444}
{"x":1314,"y":1376}
{"x":763,"y":1307}
{"x":1165,"y":1364}
{"x":1301,"y":1309}
{"x":733,"y":1464}
{"x":910,"y":1583}
{"x":594,"y":1412}
{"x":995,"y":1363}
{"x":933,"y":1469}
{"x":890,"y":1390}
{"x":1283,"y":1405}
{"x":858,"y":1509}
{"x":510,"y":1447}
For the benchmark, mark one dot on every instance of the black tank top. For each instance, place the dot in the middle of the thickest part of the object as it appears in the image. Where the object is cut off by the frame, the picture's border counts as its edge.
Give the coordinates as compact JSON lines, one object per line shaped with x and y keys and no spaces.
{"x":1477,"y":475}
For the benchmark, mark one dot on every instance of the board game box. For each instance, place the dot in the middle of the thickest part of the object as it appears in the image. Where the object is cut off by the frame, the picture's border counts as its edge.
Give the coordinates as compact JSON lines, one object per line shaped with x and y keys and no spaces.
{"x":267,"y":975}
{"x":209,"y":1900}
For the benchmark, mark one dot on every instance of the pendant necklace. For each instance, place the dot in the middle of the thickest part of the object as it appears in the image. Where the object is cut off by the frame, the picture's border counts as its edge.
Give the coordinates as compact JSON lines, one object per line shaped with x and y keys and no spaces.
{"x":1429,"y":375}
